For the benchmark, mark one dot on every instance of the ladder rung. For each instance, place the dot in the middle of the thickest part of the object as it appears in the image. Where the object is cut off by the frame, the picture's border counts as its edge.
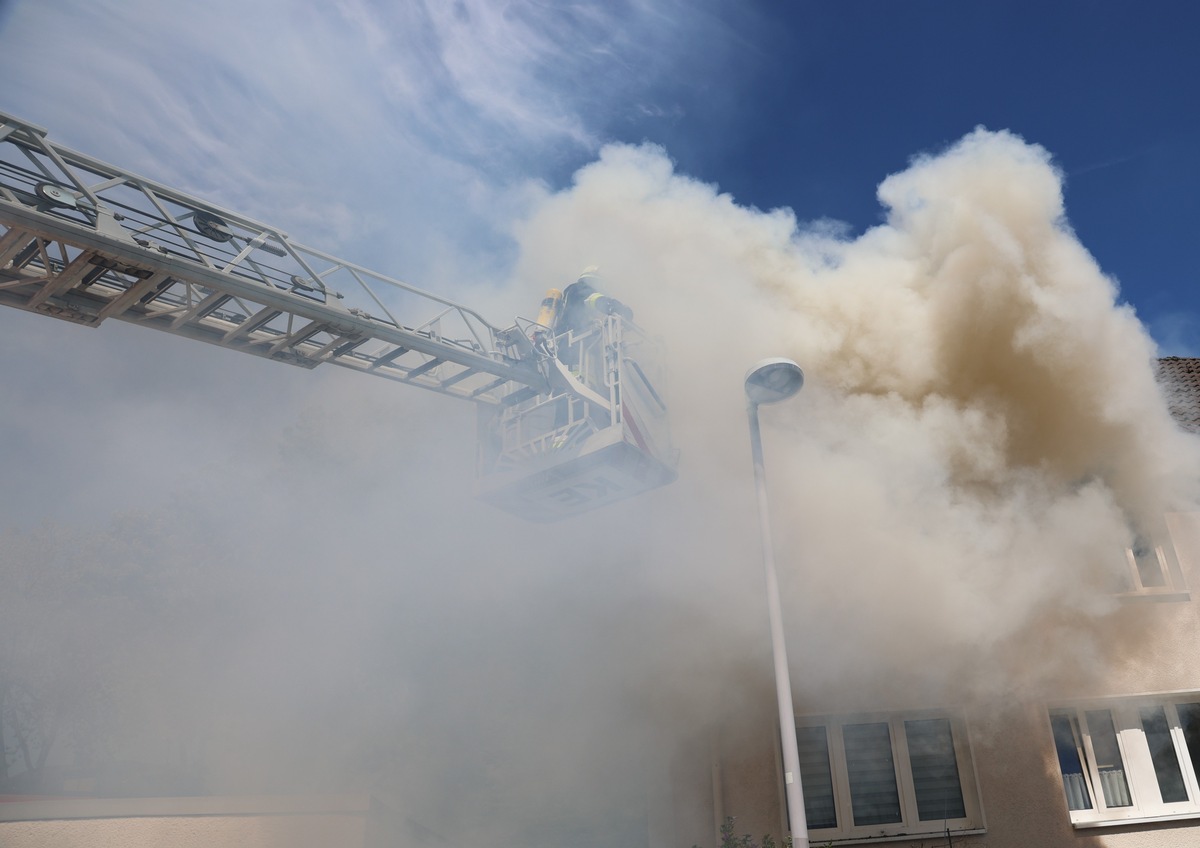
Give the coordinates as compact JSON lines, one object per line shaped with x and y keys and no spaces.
{"x":495,"y":384}
{"x":12,"y":243}
{"x":388,"y":358}
{"x":422,"y":369}
{"x":202,"y":309}
{"x":258,"y":319}
{"x":68,"y":277}
{"x":302,"y":335}
{"x":120,"y":303}
{"x":461,"y":375}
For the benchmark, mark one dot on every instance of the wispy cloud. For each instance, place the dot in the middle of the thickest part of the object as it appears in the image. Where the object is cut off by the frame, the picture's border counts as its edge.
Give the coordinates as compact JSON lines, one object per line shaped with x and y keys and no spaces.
{"x":396,"y":133}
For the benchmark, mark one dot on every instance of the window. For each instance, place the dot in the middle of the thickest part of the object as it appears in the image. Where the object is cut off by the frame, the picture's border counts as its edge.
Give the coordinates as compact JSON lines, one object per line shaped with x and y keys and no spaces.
{"x":1130,"y":759}
{"x":1153,"y":570}
{"x":865,"y":777}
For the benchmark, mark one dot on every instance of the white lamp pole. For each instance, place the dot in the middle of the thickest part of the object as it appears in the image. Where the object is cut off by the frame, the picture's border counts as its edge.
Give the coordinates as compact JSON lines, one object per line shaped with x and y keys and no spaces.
{"x":770,"y":381}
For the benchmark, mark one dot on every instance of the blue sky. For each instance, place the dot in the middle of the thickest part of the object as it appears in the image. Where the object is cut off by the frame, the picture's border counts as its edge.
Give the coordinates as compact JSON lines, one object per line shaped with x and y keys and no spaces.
{"x":428,"y":120}
{"x":828,"y":97}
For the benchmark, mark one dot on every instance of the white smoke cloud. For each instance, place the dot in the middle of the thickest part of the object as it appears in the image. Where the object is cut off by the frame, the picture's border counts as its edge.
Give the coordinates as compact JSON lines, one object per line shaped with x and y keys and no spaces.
{"x":981,"y":432}
{"x":979,"y":428}
{"x":289,"y":567}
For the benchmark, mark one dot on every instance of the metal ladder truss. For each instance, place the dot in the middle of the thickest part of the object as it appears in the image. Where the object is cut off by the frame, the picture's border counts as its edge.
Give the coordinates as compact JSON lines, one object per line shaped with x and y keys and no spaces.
{"x":84,"y":241}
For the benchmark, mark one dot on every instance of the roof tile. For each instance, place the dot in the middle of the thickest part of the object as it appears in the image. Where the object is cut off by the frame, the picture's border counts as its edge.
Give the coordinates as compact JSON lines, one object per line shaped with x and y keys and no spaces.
{"x":1180,"y":380}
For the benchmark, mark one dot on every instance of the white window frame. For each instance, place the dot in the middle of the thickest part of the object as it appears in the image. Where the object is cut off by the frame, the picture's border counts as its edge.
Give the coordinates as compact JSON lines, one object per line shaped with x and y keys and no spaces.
{"x":1147,"y":804}
{"x":1173,"y":588}
{"x":910,"y":825}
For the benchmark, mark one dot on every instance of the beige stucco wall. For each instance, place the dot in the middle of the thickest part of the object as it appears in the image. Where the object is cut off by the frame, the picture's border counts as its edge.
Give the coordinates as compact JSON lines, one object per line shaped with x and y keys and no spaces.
{"x":1158,"y":650}
{"x":187,"y":832}
{"x":1023,"y":797}
{"x":292,"y":822}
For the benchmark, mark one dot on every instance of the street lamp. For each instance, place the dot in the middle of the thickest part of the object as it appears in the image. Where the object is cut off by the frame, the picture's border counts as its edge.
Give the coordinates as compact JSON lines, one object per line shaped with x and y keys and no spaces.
{"x":770,"y":381}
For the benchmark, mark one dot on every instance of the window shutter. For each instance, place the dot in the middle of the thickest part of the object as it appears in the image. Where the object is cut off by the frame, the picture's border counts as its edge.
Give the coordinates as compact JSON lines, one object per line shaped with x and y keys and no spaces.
{"x":872,"y":772}
{"x":934,"y":769}
{"x":815,"y":777}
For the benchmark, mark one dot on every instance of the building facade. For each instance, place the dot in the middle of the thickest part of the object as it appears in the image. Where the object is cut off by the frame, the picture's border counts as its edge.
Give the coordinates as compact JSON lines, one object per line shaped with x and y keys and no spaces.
{"x":1109,"y":758}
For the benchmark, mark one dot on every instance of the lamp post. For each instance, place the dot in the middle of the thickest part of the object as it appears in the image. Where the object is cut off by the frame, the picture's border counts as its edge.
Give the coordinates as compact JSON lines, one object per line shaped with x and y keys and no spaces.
{"x":770,"y":381}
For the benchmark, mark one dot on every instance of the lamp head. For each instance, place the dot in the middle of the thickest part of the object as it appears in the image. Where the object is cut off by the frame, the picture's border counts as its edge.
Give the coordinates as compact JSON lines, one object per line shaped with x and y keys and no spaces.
{"x":773,"y":380}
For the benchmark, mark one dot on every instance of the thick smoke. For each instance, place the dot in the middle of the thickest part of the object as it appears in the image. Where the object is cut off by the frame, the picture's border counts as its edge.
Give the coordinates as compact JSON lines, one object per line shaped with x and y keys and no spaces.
{"x":286,"y":570}
{"x":981,"y":434}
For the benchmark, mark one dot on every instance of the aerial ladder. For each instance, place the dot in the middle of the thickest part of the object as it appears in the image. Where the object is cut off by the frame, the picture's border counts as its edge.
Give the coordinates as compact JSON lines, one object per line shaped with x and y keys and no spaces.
{"x":569,"y":418}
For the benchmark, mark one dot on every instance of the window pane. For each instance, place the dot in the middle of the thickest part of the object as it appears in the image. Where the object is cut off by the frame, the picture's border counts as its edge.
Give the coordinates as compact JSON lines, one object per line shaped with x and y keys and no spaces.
{"x":1108,"y":759}
{"x":1189,"y":720}
{"x":1150,"y":571}
{"x":872,"y":773}
{"x":1162,"y":752}
{"x":934,"y":769}
{"x":1070,"y":762}
{"x":815,"y":777}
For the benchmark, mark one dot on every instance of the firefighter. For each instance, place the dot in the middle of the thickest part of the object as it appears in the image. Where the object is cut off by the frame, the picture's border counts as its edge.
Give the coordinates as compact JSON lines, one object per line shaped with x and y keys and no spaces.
{"x":580,"y":308}
{"x":582,"y":304}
